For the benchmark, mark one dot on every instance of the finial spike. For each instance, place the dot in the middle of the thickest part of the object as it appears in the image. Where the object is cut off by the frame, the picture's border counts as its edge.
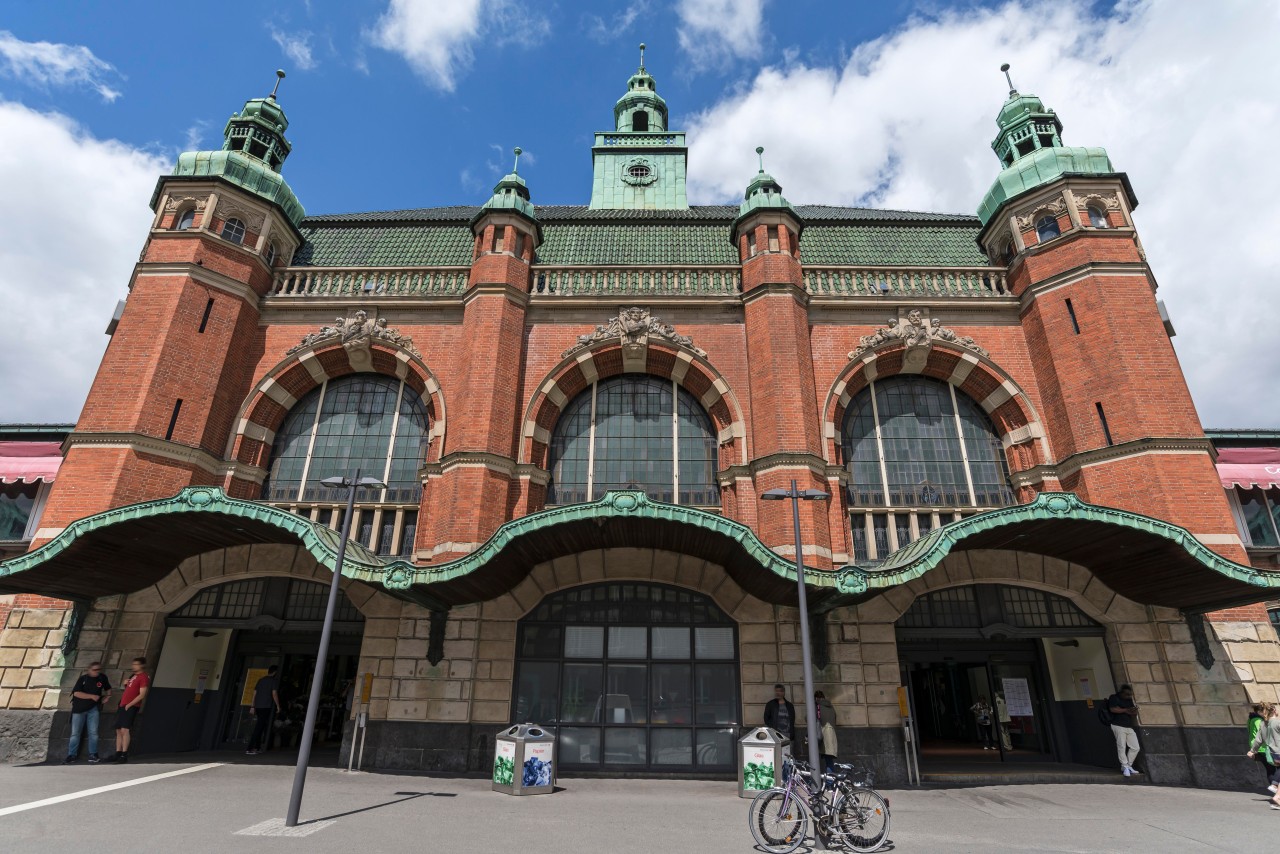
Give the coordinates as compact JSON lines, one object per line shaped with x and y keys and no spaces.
{"x":642,"y":56}
{"x":1005,"y":69}
{"x":516,"y":168}
{"x":279,"y":77}
{"x":760,"y":154}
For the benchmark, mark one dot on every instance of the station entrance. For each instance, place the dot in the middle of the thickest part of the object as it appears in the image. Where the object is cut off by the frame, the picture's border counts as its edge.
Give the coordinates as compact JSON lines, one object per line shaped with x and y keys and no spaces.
{"x":1000,"y":674}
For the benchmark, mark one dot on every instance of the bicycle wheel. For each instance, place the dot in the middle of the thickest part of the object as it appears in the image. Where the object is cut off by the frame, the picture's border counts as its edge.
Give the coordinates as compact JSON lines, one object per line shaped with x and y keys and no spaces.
{"x":779,"y":821}
{"x":861,"y":820}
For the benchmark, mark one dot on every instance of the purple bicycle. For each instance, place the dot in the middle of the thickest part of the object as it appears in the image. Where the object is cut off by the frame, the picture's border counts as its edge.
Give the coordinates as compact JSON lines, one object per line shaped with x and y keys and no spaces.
{"x":844,"y":810}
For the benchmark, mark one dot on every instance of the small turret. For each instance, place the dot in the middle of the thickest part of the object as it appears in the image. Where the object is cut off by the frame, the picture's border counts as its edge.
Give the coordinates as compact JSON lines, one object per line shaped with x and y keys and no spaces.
{"x":764,"y":205}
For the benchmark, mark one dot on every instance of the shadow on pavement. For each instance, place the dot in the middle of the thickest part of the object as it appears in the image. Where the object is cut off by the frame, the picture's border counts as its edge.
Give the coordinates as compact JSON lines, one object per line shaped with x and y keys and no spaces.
{"x":406,"y":796}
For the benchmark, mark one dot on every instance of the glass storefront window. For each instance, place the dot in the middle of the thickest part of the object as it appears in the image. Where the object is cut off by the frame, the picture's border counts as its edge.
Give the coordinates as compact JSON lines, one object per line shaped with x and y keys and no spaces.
{"x":16,"y":501}
{"x":1261,"y":517}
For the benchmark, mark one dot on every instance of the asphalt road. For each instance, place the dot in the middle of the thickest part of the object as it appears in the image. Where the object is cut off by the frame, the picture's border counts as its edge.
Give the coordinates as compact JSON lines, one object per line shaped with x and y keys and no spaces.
{"x":202,"y":810}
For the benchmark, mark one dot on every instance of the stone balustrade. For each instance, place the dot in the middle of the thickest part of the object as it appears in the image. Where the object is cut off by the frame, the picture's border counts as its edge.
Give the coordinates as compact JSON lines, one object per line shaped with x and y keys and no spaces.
{"x":906,"y":281}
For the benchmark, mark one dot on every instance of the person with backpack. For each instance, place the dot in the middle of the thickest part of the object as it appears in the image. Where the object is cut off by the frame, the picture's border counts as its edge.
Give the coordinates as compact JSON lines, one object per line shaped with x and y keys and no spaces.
{"x":1269,"y":735}
{"x":1121,"y":713}
{"x":982,"y":716}
{"x":1257,"y":720}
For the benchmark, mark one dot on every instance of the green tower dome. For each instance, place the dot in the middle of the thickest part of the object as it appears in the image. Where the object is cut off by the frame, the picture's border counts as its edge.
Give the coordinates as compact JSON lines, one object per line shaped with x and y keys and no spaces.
{"x":253,"y":151}
{"x":510,"y":194}
{"x":763,"y":193}
{"x":642,"y":109}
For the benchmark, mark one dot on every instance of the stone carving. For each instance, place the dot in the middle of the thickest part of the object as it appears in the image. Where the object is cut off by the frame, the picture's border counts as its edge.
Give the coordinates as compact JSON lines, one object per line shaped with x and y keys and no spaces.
{"x":633,"y":328}
{"x":252,"y":222}
{"x":356,"y":332}
{"x":1106,"y":201}
{"x":176,"y":202}
{"x":1056,"y":207}
{"x":917,"y":334}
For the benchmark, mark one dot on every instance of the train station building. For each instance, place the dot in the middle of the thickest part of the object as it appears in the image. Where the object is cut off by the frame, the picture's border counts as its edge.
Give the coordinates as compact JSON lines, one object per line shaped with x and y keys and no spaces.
{"x":575,"y":411}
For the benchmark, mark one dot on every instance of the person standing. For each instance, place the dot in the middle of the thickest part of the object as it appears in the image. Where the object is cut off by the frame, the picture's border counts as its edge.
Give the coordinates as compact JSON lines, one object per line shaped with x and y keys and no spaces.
{"x":1257,"y":720}
{"x":266,"y":702}
{"x":1269,"y":735}
{"x":828,"y":747}
{"x":1124,"y":714}
{"x":91,"y":691}
{"x":131,"y":699}
{"x":780,"y":714}
{"x":982,"y":717}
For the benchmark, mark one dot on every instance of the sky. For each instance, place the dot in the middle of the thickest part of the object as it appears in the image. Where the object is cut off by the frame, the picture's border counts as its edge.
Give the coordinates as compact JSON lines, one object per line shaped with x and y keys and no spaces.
{"x":415,"y":103}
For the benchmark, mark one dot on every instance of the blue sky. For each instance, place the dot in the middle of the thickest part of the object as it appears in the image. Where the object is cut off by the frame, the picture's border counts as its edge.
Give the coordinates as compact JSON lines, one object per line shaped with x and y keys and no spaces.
{"x":412,"y":103}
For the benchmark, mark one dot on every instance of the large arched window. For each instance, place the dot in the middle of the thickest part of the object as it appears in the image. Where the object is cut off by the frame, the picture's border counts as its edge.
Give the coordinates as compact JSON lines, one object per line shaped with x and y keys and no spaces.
{"x":912,"y":442}
{"x":376,"y":423}
{"x":634,"y":432}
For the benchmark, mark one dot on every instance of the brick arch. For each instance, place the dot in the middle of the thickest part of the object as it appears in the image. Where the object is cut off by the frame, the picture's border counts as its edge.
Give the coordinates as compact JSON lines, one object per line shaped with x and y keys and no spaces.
{"x":1017,"y":569}
{"x":265,"y":408}
{"x":982,"y":380}
{"x":691,"y":372}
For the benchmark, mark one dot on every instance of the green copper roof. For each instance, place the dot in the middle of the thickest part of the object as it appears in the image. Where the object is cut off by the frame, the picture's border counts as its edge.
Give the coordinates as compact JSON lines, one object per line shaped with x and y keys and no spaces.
{"x":394,"y":245}
{"x":1146,"y":559}
{"x":763,"y":193}
{"x":1039,"y":168}
{"x":244,"y":171}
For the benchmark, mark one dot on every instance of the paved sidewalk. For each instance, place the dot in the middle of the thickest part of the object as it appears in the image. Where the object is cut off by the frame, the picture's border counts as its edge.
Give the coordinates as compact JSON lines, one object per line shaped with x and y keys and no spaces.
{"x":202,"y":810}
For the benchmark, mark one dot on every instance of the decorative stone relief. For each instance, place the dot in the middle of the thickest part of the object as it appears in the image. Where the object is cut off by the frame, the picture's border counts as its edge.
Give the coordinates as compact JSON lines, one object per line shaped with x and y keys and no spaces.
{"x":176,"y":202}
{"x":1056,"y":207}
{"x":1106,"y":201}
{"x":633,"y":328}
{"x":917,"y":333}
{"x":356,"y":333}
{"x":253,"y":222}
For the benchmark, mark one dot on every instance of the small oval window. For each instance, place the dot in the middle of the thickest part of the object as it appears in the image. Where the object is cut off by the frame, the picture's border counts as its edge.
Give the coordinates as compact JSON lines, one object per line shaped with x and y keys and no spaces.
{"x":1098,"y":217}
{"x":233,"y":230}
{"x":639,"y":170}
{"x":187,"y":219}
{"x":1047,"y":228}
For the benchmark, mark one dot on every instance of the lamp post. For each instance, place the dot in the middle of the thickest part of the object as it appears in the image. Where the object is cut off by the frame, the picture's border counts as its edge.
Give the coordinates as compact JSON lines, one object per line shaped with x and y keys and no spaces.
{"x":352,"y":484}
{"x":806,"y":649}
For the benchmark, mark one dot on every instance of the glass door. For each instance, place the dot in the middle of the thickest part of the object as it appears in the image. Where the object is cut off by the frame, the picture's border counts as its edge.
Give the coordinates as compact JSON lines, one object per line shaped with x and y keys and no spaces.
{"x":1021,"y":716}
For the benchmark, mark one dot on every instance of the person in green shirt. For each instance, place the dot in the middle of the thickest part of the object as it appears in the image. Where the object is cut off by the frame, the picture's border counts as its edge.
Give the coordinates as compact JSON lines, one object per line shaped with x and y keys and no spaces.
{"x":1257,"y":719}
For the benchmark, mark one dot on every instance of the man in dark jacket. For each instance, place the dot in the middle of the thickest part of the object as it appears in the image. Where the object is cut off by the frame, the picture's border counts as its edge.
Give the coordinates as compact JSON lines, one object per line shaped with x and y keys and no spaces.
{"x":779,"y":714}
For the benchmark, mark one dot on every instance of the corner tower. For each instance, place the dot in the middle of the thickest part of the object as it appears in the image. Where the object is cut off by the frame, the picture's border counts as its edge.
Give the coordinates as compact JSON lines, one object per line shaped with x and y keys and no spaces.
{"x":1118,"y":414}
{"x":640,"y":164}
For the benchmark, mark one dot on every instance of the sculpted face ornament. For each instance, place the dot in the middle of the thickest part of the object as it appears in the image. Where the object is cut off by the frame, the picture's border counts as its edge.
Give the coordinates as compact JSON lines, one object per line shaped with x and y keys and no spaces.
{"x":915,"y":334}
{"x":632,"y":328}
{"x":356,"y":333}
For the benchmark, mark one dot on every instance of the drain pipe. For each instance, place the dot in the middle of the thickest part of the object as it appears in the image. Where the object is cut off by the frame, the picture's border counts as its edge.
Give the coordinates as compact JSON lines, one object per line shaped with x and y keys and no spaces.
{"x":1173,"y":696}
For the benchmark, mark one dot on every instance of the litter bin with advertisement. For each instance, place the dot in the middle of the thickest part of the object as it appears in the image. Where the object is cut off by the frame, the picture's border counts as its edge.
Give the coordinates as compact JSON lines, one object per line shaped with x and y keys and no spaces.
{"x":760,"y":755}
{"x":524,"y":760}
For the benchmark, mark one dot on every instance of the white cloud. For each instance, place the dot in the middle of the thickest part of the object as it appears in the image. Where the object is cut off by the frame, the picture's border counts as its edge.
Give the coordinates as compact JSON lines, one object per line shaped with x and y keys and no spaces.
{"x":74,"y":216}
{"x":297,"y":47}
{"x":1180,"y":95}
{"x":715,"y":32}
{"x":600,"y":30}
{"x":46,"y":64}
{"x":438,"y":39}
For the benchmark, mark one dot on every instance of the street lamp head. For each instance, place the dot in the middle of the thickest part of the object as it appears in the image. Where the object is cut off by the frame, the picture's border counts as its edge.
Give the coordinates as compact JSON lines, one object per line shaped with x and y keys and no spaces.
{"x":364,"y":482}
{"x":803,"y":494}
{"x":814,"y":495}
{"x":334,"y":482}
{"x":775,"y":494}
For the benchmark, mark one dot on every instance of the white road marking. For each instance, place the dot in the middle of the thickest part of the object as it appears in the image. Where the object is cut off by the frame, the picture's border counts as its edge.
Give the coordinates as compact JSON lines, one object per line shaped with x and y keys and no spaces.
{"x":276,"y":827}
{"x":100,"y":789}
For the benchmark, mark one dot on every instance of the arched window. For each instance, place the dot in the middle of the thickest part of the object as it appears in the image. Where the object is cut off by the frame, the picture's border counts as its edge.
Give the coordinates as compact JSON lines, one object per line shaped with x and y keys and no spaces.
{"x":186,"y":220}
{"x":640,"y":121}
{"x":1047,"y":228}
{"x":378,"y":424}
{"x":270,"y":255}
{"x":634,"y":432}
{"x":233,"y":230}
{"x":912,"y":441}
{"x":1098,"y":217}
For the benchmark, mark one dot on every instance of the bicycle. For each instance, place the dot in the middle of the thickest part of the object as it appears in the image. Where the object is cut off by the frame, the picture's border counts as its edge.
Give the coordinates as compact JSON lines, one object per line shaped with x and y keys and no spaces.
{"x":856,"y":817}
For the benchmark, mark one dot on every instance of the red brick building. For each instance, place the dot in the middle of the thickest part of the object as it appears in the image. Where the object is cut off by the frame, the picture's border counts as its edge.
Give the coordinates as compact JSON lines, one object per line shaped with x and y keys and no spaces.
{"x":575,"y":410}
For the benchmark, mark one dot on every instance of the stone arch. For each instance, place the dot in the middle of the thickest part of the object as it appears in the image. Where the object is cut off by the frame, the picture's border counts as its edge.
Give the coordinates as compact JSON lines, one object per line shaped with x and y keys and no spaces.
{"x":990,"y":386}
{"x":576,"y":372}
{"x":265,"y":407}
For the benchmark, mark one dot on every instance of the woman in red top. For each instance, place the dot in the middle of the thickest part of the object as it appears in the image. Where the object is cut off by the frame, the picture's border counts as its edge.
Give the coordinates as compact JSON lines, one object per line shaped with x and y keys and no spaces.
{"x":135,"y":691}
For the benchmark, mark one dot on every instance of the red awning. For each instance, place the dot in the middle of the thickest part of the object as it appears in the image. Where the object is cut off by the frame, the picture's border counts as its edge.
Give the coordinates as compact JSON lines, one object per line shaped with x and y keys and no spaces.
{"x":1249,"y":467}
{"x":28,"y":462}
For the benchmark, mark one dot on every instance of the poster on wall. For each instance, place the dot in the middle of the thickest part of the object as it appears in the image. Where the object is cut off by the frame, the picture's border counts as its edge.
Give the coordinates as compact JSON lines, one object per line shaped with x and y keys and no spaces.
{"x":1084,"y":682}
{"x":504,"y":763}
{"x":250,"y":683}
{"x":757,"y":768}
{"x":536,"y":770}
{"x":1017,"y":697}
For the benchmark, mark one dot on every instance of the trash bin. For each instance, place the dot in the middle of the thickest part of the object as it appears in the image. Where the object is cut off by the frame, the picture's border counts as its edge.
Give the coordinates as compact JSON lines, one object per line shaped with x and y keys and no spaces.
{"x":524,"y":760}
{"x":760,"y":755}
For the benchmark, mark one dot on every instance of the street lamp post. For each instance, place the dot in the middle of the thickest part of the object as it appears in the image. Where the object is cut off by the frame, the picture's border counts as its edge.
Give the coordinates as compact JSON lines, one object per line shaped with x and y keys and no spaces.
{"x":352,"y":483}
{"x":806,"y":649}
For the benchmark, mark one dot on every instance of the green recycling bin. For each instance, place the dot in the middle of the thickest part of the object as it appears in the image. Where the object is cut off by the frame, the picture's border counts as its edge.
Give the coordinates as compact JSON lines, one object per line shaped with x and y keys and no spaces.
{"x":760,"y":755}
{"x":524,"y":760}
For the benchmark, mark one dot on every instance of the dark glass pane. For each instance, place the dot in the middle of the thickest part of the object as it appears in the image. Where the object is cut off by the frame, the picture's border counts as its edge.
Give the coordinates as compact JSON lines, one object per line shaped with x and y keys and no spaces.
{"x":540,"y":642}
{"x":584,"y":642}
{"x":716,"y":694}
{"x":1257,"y":518}
{"x":634,"y":446}
{"x":626,"y":696}
{"x":409,"y":533}
{"x":880,"y":528}
{"x":1025,"y":608}
{"x":902,"y":523}
{"x":625,"y":746}
{"x":580,"y":697}
{"x":671,"y":746}
{"x":570,"y":453}
{"x":16,"y":501}
{"x":987,"y":462}
{"x":715,"y":747}
{"x":923,"y":460}
{"x":699,"y":453}
{"x":861,"y":453}
{"x":860,"y":553}
{"x":672,"y":694}
{"x":580,"y":745}
{"x":537,"y":691}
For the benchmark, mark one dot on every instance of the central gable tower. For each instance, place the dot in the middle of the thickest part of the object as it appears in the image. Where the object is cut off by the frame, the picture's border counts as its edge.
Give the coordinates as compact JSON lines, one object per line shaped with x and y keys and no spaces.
{"x":639,"y":165}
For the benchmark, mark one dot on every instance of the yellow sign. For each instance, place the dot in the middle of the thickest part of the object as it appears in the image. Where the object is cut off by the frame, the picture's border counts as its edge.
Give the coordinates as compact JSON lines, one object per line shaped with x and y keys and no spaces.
{"x":904,"y":708}
{"x":250,"y":684}
{"x":366,"y":690}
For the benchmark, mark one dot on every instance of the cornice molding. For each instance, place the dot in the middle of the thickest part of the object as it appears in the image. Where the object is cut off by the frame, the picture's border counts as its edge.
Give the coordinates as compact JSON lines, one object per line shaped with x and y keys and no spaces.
{"x":786,"y":289}
{"x":483,"y":289}
{"x":1083,"y":271}
{"x":167,"y":449}
{"x":469,"y":459}
{"x":783,"y":460}
{"x":1071,"y":465}
{"x":196,"y":273}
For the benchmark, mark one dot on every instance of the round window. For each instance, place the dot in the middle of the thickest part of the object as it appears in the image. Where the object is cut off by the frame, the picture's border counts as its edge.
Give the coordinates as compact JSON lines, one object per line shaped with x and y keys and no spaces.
{"x":639,"y":171}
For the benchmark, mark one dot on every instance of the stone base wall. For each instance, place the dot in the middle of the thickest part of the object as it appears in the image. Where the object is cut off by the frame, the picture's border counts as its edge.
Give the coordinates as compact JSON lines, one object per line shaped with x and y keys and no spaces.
{"x":31,"y":659}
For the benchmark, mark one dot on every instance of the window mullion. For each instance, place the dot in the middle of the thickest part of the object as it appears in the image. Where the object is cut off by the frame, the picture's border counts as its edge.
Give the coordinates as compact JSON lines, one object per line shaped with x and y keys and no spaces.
{"x":884,"y":469}
{"x":311,"y":442}
{"x":675,"y":443}
{"x":391,"y":443}
{"x":964,"y":450}
{"x":591,"y":447}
